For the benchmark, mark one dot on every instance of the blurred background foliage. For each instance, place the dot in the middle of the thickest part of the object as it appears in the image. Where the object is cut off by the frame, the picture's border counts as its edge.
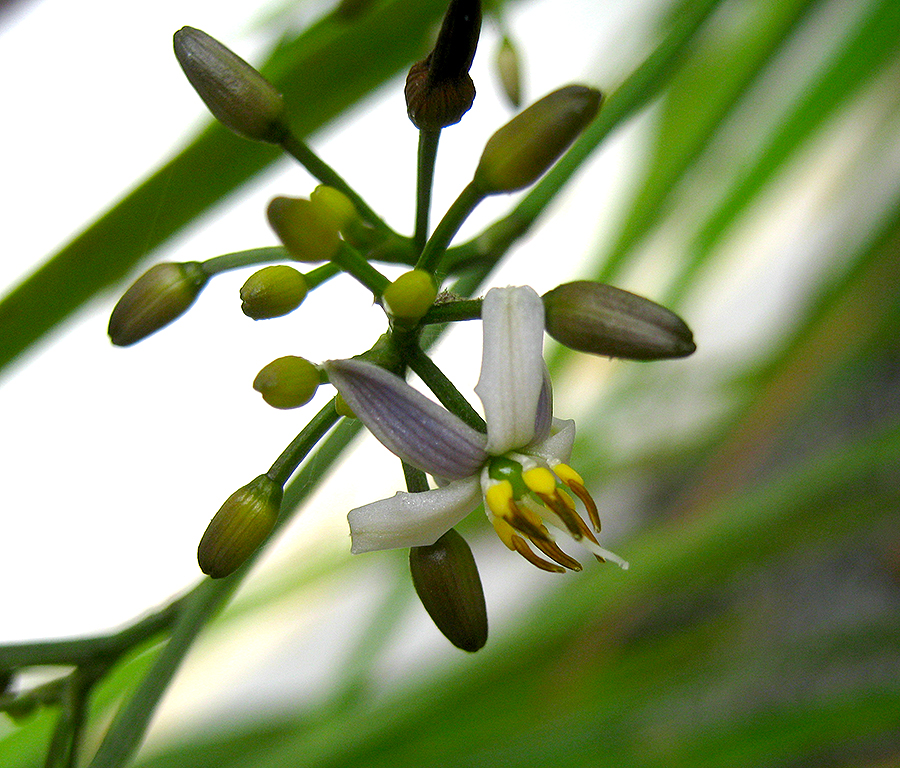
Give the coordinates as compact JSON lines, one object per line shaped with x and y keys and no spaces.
{"x":754,"y":487}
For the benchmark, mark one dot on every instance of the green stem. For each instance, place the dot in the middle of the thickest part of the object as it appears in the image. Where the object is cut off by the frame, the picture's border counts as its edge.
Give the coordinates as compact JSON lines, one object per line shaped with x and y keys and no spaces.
{"x":353,"y":263}
{"x":301,"y":152}
{"x":246,"y":258}
{"x":448,"y":227}
{"x":428,"y":147}
{"x":448,"y":395}
{"x":416,"y":482}
{"x":319,"y":275}
{"x":453,"y":311}
{"x":300,"y":446}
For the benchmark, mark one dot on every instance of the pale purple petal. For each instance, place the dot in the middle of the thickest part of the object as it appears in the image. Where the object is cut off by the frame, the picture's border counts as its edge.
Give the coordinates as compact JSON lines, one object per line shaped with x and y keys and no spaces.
{"x":557,"y":447}
{"x":512,"y":366}
{"x":412,"y":519}
{"x":407,"y":423}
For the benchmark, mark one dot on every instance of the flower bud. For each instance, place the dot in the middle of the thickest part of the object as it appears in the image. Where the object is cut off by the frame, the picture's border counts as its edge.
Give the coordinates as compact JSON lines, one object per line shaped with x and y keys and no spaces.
{"x":526,"y":147}
{"x":287,"y":382}
{"x":509,"y":71}
{"x":438,"y":89}
{"x":334,"y":206}
{"x":308,"y":236}
{"x":602,"y":320}
{"x":341,"y":407}
{"x":273,"y":292}
{"x":410,"y":296}
{"x":238,"y":96}
{"x":159,"y":296}
{"x":446,"y":579}
{"x":242,"y":523}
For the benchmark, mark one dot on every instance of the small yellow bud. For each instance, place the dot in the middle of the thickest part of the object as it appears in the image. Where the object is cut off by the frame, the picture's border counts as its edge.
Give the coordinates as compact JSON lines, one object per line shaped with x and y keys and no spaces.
{"x":410,"y":296}
{"x":238,"y":96}
{"x":308,"y":236}
{"x":242,"y":523}
{"x":523,"y":149}
{"x":334,"y":206}
{"x":159,"y":296}
{"x":287,"y":382}
{"x":446,"y":580}
{"x":273,"y":292}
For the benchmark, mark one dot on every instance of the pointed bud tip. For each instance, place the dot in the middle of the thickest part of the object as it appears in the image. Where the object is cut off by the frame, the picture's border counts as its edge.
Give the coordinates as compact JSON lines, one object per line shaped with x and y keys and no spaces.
{"x":237,"y":95}
{"x":240,"y":526}
{"x":158,"y":297}
{"x":446,"y":580}
{"x":602,"y":320}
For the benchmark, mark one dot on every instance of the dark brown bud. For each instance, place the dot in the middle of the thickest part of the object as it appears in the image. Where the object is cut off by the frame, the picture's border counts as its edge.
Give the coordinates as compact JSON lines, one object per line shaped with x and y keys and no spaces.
{"x":438,"y":89}
{"x":602,"y":320}
{"x":446,"y":579}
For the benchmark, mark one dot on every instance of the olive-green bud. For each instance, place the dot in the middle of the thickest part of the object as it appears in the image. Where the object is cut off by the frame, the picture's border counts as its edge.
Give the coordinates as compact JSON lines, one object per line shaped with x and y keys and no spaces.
{"x":273,"y":292}
{"x":159,"y":296}
{"x":508,"y":69}
{"x":602,"y":320}
{"x":523,"y":149}
{"x":410,"y":296}
{"x":446,"y":579}
{"x":439,"y":90}
{"x":334,"y":207}
{"x":287,"y":382}
{"x":308,"y":236}
{"x":341,"y":407}
{"x":238,"y":96}
{"x":242,"y":523}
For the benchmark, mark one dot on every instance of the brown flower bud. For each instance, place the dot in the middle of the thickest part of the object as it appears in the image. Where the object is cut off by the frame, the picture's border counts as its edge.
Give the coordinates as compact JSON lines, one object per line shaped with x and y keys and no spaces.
{"x":446,"y":579}
{"x":602,"y":320}
{"x":239,"y":527}
{"x":159,"y":296}
{"x":238,"y":96}
{"x":526,"y":147}
{"x":438,"y":89}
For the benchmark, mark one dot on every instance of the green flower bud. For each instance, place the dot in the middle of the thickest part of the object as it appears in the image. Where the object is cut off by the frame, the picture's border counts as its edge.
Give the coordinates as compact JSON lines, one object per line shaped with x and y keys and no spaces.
{"x":238,"y":96}
{"x":341,"y":407}
{"x":308,"y":236}
{"x":242,"y":523}
{"x":509,"y":71}
{"x":273,"y":292}
{"x":159,"y":296}
{"x":446,"y":579}
{"x":438,"y":89}
{"x":602,"y":320}
{"x":334,"y":206}
{"x":526,"y":147}
{"x":410,"y":296}
{"x":287,"y":382}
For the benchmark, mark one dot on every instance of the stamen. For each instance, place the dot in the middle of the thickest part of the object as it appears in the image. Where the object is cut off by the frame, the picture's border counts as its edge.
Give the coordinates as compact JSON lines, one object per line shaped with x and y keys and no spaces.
{"x":523,"y":549}
{"x":574,"y":482}
{"x":527,"y":522}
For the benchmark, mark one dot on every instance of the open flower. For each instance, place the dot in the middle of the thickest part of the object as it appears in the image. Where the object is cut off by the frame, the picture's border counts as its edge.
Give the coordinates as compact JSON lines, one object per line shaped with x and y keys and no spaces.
{"x":518,"y":469}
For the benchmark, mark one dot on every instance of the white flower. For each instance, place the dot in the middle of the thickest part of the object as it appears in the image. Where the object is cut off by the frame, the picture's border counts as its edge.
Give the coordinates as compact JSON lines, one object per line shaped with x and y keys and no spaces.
{"x":518,"y":469}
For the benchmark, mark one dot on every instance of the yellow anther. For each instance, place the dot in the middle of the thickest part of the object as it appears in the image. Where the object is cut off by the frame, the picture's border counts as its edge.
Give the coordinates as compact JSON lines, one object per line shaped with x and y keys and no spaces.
{"x":498,"y":498}
{"x":568,"y":475}
{"x":505,"y":531}
{"x":540,"y":480}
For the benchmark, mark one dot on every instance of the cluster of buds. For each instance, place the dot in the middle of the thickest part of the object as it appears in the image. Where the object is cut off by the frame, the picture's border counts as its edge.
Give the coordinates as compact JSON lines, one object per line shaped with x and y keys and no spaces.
{"x":514,"y":462}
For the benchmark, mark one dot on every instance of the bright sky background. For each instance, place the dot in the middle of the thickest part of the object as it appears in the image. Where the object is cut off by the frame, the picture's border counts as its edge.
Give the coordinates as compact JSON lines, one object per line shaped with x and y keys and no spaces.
{"x":114,"y":460}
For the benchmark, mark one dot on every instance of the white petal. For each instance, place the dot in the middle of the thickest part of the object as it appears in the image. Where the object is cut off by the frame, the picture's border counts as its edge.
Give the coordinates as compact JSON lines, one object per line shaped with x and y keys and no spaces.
{"x":407,"y":423}
{"x":412,"y":519}
{"x":512,"y":366}
{"x":557,"y":447}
